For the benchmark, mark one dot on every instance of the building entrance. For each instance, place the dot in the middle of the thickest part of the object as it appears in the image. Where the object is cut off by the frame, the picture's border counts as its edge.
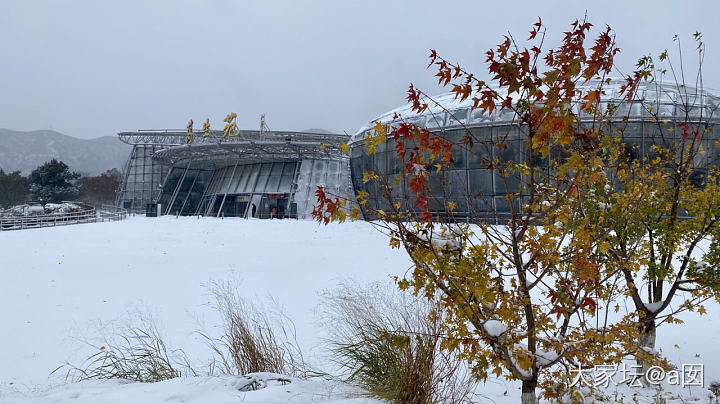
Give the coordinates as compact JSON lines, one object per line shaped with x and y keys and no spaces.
{"x":273,"y":206}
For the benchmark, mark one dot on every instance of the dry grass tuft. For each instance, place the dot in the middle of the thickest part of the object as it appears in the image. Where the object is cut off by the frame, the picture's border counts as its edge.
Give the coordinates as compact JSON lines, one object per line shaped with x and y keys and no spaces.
{"x":250,"y":341}
{"x":140,"y":355}
{"x":388,"y":343}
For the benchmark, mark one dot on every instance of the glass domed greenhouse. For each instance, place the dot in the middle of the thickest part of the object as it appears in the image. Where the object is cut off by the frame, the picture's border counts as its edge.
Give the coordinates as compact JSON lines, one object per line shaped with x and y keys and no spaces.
{"x":478,"y":190}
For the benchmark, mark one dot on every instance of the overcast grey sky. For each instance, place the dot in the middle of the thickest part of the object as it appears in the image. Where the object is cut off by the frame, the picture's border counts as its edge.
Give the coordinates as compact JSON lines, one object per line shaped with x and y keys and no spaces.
{"x":94,"y":68}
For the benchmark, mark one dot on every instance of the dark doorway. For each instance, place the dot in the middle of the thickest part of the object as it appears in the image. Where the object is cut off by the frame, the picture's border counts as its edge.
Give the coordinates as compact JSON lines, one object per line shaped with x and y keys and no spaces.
{"x":273,"y":206}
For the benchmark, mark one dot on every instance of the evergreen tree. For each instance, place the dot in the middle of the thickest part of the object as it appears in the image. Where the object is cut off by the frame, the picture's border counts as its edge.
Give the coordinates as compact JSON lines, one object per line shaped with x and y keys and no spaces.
{"x":53,"y":182}
{"x":13,"y":189}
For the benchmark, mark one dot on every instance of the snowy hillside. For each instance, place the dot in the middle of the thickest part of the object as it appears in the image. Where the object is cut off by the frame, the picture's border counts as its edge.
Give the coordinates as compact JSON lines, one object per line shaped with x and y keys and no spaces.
{"x":63,"y":287}
{"x":25,"y":151}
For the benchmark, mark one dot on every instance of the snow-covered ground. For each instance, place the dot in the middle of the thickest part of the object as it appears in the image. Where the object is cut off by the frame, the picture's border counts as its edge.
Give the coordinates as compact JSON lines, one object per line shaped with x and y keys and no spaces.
{"x":197,"y":390}
{"x":61,"y":287}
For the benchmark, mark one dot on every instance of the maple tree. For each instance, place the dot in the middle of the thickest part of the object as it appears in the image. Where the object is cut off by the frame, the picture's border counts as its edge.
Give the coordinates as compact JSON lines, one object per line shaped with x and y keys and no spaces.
{"x":663,"y":212}
{"x":533,"y":289}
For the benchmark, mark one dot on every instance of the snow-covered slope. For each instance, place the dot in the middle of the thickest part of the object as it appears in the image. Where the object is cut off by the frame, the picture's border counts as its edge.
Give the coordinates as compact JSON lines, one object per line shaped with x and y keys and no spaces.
{"x":62,"y":286}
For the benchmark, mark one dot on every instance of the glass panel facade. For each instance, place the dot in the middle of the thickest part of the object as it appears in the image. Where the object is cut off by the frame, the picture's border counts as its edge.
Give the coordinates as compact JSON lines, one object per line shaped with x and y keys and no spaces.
{"x":480,"y":154}
{"x":252,"y":175}
{"x":496,"y":141}
{"x":228,"y":189}
{"x":143,"y":177}
{"x":475,"y":182}
{"x":262,"y":177}
{"x":183,"y":190}
{"x":252,"y":179}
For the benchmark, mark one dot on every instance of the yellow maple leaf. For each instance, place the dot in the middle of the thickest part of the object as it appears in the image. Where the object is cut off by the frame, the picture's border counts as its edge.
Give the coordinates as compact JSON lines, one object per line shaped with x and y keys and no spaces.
{"x":380,"y":129}
{"x":369,"y":175}
{"x":355,"y":214}
{"x":702,"y":310}
{"x":344,"y":147}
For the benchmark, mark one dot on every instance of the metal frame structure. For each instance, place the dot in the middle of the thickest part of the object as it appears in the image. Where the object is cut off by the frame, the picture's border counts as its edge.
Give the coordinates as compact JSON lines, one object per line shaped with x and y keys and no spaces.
{"x":175,"y":137}
{"x":213,"y":152}
{"x":167,"y":137}
{"x":248,"y":147}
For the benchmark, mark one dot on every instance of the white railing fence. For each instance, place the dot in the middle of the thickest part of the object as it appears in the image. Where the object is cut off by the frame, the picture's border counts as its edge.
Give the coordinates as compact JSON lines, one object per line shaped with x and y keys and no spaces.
{"x":111,"y":213}
{"x":88,"y":214}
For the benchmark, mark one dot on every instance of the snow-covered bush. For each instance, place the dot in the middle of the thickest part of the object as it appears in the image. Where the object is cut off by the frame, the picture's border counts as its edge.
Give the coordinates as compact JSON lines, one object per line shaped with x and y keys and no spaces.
{"x":47,"y":209}
{"x":23,"y":210}
{"x":62,"y":208}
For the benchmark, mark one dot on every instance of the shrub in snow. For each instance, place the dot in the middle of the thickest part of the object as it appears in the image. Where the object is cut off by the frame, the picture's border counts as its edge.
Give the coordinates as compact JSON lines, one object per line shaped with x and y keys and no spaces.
{"x":386,"y":342}
{"x":138,"y":354}
{"x":714,"y":396}
{"x":250,"y":341}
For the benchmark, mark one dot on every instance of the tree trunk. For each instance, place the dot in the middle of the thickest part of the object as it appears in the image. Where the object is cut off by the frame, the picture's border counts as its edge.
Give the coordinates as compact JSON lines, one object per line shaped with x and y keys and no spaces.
{"x":647,"y":337}
{"x":646,"y":340}
{"x":528,"y":392}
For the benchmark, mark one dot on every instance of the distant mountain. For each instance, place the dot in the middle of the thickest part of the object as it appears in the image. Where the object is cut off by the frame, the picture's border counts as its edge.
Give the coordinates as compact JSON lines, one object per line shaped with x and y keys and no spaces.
{"x":318,"y":130}
{"x":25,"y":151}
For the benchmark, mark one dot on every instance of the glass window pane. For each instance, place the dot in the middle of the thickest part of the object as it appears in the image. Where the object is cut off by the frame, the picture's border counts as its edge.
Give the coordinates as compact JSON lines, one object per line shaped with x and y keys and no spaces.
{"x":285,"y":182}
{"x":480,"y":183}
{"x":273,"y":183}
{"x":458,"y":147}
{"x":481,"y":152}
{"x":508,"y":184}
{"x":252,"y":179}
{"x":262,"y":177}
{"x":276,"y":169}
{"x":289,"y":169}
{"x":241,"y":179}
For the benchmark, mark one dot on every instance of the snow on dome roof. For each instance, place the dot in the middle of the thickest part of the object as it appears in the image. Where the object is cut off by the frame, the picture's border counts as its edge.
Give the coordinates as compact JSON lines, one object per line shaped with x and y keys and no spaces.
{"x":665,"y":95}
